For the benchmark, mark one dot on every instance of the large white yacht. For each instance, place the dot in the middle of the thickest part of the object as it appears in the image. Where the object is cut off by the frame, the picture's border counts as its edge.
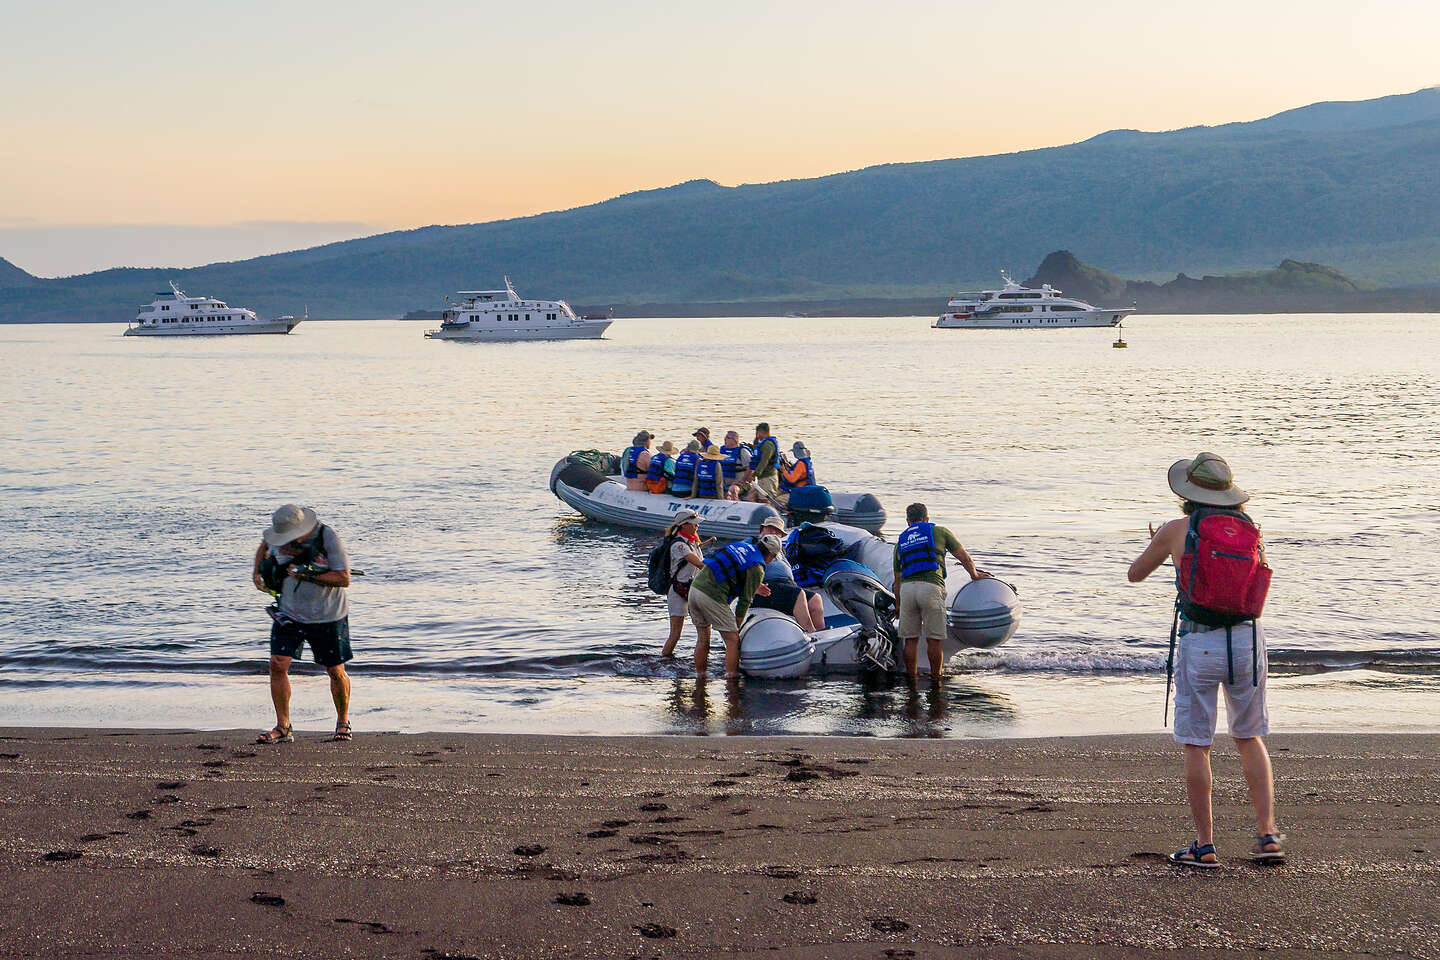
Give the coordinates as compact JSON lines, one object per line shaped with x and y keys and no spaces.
{"x":502,"y":315}
{"x":174,"y":314}
{"x":1014,"y":307}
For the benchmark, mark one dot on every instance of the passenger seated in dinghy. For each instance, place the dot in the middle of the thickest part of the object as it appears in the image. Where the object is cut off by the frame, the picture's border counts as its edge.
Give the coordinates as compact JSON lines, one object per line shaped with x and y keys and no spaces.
{"x":795,"y":475}
{"x":636,"y":460}
{"x":683,"y":482}
{"x":662,"y":468}
{"x":709,"y":479}
{"x":736,"y":464}
{"x":785,"y":594}
{"x":766,"y":461}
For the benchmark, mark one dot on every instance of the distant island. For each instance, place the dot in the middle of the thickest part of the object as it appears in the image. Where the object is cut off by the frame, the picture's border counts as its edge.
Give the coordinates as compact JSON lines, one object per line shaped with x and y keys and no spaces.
{"x":1351,"y":185}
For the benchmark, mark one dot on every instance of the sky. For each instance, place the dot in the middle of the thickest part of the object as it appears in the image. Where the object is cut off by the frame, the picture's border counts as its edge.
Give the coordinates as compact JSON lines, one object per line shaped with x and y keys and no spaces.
{"x":268,"y":126}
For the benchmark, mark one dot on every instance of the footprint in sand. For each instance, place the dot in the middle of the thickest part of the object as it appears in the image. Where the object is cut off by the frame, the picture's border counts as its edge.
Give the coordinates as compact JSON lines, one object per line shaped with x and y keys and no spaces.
{"x":208,"y":746}
{"x":655,"y":931}
{"x":576,"y":899}
{"x":781,"y":873}
{"x":889,"y":924}
{"x":201,"y":850}
{"x":800,"y":898}
{"x":374,"y":926}
{"x":615,"y":824}
{"x":529,"y":850}
{"x":92,"y":837}
{"x":654,"y":807}
{"x":267,"y":899}
{"x":216,"y":763}
{"x":167,"y":798}
{"x":138,"y":815}
{"x":170,"y":785}
{"x":600,"y":834}
{"x":61,"y":856}
{"x":894,"y":954}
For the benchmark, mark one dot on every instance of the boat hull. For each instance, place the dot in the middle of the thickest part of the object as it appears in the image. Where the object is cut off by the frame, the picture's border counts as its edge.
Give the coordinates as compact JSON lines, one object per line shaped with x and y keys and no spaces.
{"x":1038,"y":321}
{"x":583,"y":330}
{"x":215,"y":329}
{"x":653,"y":511}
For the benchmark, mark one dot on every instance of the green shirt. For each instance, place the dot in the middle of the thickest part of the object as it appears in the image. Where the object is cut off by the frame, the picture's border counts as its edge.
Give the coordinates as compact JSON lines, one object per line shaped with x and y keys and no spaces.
{"x":765,"y":462}
{"x":945,"y":542}
{"x":706,"y":583}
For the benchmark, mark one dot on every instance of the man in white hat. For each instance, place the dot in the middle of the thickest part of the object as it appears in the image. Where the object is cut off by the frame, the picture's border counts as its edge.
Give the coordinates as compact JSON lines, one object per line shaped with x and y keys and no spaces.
{"x":1206,"y":660}
{"x":303,"y":563}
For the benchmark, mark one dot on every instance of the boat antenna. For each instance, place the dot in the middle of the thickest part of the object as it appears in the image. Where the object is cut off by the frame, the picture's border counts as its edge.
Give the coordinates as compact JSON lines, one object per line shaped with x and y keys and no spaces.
{"x":509,"y":289}
{"x":178,"y":292}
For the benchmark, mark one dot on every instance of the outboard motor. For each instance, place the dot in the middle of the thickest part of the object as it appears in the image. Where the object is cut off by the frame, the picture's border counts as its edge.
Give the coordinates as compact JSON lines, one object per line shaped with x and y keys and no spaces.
{"x":854,"y":588}
{"x":773,"y":646}
{"x":983,"y":613}
{"x":810,"y":505}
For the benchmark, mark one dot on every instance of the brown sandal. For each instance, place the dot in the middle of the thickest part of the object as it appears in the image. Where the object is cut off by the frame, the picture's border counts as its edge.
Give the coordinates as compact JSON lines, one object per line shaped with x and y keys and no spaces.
{"x":342,"y":732}
{"x":277,"y":734}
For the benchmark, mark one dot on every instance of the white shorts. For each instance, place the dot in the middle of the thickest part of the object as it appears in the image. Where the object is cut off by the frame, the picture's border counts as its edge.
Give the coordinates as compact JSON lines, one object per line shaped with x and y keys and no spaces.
{"x":674,"y":603}
{"x":1201,"y":672}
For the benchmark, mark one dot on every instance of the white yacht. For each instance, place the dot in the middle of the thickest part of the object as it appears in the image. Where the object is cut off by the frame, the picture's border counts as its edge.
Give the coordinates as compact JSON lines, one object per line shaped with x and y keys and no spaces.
{"x":174,"y":314}
{"x":502,"y":315}
{"x":1015,"y":307}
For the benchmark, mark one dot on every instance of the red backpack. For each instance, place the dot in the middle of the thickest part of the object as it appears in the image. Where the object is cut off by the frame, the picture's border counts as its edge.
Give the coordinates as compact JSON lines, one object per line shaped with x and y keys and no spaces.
{"x":1222,"y":576}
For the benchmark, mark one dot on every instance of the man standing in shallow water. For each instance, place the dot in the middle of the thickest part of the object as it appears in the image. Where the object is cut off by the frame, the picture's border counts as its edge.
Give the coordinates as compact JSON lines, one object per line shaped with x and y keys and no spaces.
{"x":305,"y":564}
{"x":1206,"y":660}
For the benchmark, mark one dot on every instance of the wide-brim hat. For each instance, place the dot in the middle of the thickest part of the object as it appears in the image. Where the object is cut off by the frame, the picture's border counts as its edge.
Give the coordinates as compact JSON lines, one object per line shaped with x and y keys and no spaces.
{"x":1206,"y":480}
{"x":289,"y":523}
{"x":777,"y":522}
{"x":771,"y":544}
{"x":712,"y":452}
{"x":800,"y":450}
{"x":668,"y":448}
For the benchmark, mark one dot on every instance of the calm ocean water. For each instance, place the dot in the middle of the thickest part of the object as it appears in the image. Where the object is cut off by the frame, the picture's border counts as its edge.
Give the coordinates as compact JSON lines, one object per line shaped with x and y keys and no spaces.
{"x":138,"y":473}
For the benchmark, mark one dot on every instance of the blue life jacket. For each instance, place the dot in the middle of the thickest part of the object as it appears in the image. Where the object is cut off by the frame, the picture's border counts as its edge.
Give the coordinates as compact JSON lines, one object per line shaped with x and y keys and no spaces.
{"x":708,"y":478}
{"x":731,"y":463}
{"x":775,"y":450}
{"x":657,"y":466}
{"x":684,"y":479}
{"x":786,"y":486}
{"x":916,"y":548}
{"x":728,"y":565}
{"x":630,"y":458}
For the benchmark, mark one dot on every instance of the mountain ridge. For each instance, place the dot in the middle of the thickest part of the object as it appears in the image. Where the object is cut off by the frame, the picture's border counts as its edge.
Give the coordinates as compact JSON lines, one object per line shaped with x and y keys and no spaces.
{"x":1226,"y":197}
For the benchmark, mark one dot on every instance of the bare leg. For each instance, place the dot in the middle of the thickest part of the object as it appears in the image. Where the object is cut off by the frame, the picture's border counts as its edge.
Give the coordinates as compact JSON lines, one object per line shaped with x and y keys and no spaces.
{"x":1255,"y":761}
{"x":936,"y":656}
{"x":802,"y":614}
{"x":817,"y":611}
{"x":1197,"y":788}
{"x":340,"y":692}
{"x":702,"y":649}
{"x":912,"y":658}
{"x":677,"y":624}
{"x":280,"y":689}
{"x":732,"y":654}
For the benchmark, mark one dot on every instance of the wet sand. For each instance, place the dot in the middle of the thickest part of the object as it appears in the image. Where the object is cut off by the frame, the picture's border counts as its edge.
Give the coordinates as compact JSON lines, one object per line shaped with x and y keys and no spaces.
{"x":158,"y":844}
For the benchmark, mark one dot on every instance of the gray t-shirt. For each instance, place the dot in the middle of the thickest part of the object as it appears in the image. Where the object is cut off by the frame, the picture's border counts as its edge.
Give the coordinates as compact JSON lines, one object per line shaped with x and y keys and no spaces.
{"x":779,"y":570}
{"x":314,"y":602}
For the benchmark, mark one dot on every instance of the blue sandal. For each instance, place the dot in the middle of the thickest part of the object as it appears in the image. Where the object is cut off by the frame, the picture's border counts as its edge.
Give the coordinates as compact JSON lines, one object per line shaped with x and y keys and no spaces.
{"x":1191,"y":856}
{"x":1276,"y":840}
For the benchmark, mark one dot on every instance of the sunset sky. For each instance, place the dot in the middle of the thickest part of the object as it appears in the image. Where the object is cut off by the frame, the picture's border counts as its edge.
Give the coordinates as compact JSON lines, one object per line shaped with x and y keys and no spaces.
{"x":276,"y":125}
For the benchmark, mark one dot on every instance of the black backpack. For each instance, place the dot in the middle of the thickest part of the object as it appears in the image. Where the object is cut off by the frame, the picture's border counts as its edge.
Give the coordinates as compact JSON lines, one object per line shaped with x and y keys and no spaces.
{"x":661,"y":574}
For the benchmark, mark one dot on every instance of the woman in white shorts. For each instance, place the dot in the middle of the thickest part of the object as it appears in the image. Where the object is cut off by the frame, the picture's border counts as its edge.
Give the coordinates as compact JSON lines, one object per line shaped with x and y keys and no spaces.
{"x":685,"y":561}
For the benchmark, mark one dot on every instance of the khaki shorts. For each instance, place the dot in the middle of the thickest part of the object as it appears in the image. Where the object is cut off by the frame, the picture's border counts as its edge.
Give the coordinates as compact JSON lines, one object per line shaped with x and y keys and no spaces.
{"x":1201,"y":673}
{"x":706,"y":611}
{"x":922,"y":610}
{"x":769,"y":486}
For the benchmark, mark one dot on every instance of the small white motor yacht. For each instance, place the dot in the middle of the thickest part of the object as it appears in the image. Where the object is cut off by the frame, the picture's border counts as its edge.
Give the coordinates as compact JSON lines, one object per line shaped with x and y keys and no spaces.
{"x":1014,"y":307}
{"x":501,"y":315}
{"x":173,"y":314}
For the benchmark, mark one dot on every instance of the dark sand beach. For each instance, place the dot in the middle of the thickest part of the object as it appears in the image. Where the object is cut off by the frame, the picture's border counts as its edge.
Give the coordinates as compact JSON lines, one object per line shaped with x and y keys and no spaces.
{"x":175,"y":844}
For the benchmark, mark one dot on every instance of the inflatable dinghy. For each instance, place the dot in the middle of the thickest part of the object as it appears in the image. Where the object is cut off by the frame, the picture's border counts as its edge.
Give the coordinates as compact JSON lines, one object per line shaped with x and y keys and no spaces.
{"x":982,"y":613}
{"x":602,"y":496}
{"x":773,"y":646}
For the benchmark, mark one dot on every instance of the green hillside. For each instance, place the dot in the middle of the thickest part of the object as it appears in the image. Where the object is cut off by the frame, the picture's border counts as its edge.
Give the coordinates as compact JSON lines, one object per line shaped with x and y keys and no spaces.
{"x":1314,"y":184}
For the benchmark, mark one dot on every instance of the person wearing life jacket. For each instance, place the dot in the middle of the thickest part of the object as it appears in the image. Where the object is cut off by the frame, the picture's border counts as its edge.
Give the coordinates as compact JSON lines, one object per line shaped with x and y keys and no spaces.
{"x":920,"y":586}
{"x":800,"y":473}
{"x":1216,"y":643}
{"x":733,"y":574}
{"x":786,"y":595}
{"x":686,"y":560}
{"x":709,"y":477}
{"x":661,"y":469}
{"x":736,"y":464}
{"x":766,"y":465}
{"x":635,"y":461}
{"x":682,"y":483}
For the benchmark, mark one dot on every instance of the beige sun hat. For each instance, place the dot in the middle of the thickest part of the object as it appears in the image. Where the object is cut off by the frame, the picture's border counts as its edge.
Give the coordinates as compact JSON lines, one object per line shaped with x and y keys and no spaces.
{"x":289,"y":523}
{"x":777,"y":523}
{"x":1207,"y":480}
{"x":712,"y":452}
{"x":668,"y":449}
